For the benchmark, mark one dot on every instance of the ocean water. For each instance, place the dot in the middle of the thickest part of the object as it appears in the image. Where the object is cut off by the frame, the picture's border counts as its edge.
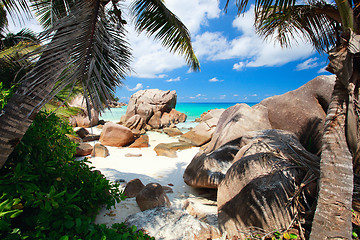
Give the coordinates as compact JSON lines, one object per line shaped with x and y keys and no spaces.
{"x":192,"y":110}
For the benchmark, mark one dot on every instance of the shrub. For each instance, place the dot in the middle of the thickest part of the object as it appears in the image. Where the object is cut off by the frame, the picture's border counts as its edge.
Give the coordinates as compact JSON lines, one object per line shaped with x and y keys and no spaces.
{"x":49,"y":194}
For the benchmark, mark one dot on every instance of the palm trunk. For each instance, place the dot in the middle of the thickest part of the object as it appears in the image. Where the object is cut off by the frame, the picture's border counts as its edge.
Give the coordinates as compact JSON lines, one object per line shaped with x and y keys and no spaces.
{"x":332,"y":218}
{"x":22,"y":108}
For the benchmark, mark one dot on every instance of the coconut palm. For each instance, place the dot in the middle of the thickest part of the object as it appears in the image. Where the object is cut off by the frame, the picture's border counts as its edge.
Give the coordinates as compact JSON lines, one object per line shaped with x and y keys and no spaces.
{"x":327,"y":26}
{"x":87,"y":45}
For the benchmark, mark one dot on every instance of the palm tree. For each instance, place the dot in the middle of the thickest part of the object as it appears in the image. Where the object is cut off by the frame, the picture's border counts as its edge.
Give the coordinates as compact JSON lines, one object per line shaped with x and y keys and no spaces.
{"x":326,"y":25}
{"x":87,"y":45}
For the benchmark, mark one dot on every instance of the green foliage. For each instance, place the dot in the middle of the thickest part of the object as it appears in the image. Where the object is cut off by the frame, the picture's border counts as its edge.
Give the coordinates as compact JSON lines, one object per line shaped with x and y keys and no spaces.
{"x":5,"y":94}
{"x":49,"y":195}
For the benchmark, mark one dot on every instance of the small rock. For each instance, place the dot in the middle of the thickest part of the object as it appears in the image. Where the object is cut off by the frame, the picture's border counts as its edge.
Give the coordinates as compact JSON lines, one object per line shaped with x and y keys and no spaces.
{"x":74,"y":138}
{"x":120,"y":180}
{"x":133,"y":188}
{"x":141,"y":142}
{"x":174,"y":224}
{"x":100,"y":151}
{"x":82,"y":132}
{"x":152,"y":196}
{"x":172,"y":132}
{"x":169,"y":149}
{"x":133,"y":155}
{"x":83,"y":149}
{"x":91,"y":137}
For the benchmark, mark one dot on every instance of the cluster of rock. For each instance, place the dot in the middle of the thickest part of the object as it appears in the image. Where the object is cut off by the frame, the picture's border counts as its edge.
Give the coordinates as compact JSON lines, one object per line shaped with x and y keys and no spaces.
{"x":158,"y":219}
{"x":256,"y":158}
{"x":152,"y":109}
{"x":114,"y":104}
{"x":82,"y":118}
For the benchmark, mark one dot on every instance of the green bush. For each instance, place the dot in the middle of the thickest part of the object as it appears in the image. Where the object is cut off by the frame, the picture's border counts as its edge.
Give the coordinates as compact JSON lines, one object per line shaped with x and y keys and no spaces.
{"x":49,"y":195}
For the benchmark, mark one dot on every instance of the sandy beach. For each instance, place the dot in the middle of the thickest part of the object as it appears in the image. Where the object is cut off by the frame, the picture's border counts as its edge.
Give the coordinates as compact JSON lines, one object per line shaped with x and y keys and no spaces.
{"x":148,"y":168}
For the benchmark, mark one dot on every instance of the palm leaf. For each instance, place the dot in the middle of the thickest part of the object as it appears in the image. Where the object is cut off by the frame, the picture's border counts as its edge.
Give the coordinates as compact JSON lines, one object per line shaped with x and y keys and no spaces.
{"x":262,"y":5}
{"x":98,"y":55}
{"x":156,"y":20}
{"x":308,"y":21}
{"x":51,"y":11}
{"x":16,"y":7}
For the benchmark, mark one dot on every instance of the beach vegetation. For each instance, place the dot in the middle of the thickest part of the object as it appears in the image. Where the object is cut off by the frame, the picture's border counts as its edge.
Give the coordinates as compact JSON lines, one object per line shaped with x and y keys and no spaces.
{"x":84,"y":43}
{"x":333,"y":28}
{"x":47,"y":194}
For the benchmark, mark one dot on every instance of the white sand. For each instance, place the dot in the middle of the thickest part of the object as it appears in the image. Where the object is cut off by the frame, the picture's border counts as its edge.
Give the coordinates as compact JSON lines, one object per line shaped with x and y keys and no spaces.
{"x":148,"y":168}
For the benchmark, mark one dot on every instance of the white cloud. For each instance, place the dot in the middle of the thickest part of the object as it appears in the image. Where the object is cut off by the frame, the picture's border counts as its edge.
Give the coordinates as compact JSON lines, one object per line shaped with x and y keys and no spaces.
{"x":151,"y":59}
{"x":310,"y":63}
{"x":173,"y":79}
{"x":137,"y":87}
{"x":222,"y":96}
{"x":235,"y":95}
{"x":253,"y":95}
{"x":239,"y":66}
{"x":215,"y":80}
{"x":252,"y":50}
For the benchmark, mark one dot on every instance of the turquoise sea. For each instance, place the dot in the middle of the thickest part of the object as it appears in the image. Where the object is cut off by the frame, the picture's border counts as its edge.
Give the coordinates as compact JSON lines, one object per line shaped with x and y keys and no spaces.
{"x":192,"y":110}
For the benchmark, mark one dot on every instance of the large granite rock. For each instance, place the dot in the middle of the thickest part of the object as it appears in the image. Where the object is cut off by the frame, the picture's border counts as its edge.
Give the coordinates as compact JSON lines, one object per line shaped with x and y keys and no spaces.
{"x":257,"y":189}
{"x":133,"y":187}
{"x":82,"y":118}
{"x":154,"y":107}
{"x":172,"y":224}
{"x":152,"y":196}
{"x":202,"y":133}
{"x":237,"y":120}
{"x":302,"y":111}
{"x":116,"y":135}
{"x":208,"y":167}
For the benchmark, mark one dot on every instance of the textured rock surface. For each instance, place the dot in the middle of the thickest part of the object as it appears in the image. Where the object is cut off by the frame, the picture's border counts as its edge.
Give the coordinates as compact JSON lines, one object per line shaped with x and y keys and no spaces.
{"x":172,"y":132}
{"x":209,"y":166}
{"x":151,"y":196}
{"x":100,"y":151}
{"x":83,"y":149}
{"x":133,"y":187}
{"x":172,"y":224}
{"x":82,"y":132}
{"x":116,"y":135}
{"x":256,"y":189}
{"x":237,"y":120}
{"x":82,"y":119}
{"x":303,"y":110}
{"x":147,"y":102}
{"x":155,"y":108}
{"x":169,"y":149}
{"x":141,"y":142}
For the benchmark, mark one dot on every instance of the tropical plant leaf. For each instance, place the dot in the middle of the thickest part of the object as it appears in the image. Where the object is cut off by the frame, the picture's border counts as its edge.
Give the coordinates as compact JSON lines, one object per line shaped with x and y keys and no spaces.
{"x":16,"y":7}
{"x":156,"y":20}
{"x":98,"y":55}
{"x":308,"y":21}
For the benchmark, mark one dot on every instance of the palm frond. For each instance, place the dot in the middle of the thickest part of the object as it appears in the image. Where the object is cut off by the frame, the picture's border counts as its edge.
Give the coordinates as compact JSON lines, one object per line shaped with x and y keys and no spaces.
{"x":156,"y":20}
{"x":16,"y":7}
{"x":262,"y":5}
{"x":3,"y":21}
{"x":307,"y":21}
{"x":51,"y":11}
{"x":87,"y":47}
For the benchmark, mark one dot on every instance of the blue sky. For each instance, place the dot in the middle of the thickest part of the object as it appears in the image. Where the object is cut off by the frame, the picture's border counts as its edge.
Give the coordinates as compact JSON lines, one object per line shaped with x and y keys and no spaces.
{"x":236,"y":64}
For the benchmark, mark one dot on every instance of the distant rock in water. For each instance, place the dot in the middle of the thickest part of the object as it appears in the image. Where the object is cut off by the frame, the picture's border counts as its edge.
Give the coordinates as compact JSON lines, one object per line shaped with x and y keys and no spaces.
{"x":152,"y":109}
{"x":114,"y":104}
